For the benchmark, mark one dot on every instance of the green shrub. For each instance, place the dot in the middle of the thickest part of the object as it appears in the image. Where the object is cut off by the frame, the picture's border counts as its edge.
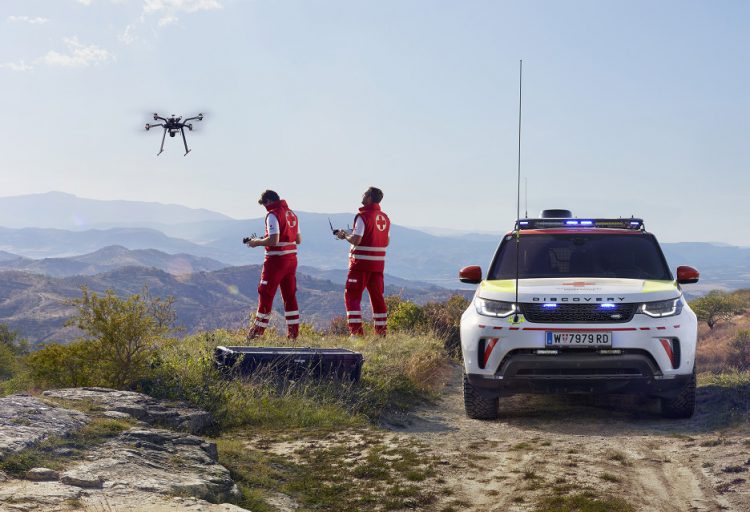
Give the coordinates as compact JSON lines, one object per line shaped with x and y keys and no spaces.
{"x":123,"y":336}
{"x":63,"y":366}
{"x":408,"y":317}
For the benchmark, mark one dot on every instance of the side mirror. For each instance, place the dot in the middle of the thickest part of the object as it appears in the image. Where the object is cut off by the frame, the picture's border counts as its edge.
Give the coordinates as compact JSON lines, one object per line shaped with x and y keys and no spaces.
{"x":687,"y":275}
{"x":471,"y":274}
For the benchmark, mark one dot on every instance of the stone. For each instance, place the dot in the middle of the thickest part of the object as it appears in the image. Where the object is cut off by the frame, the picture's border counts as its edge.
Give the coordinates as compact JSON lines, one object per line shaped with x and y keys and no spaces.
{"x":83,"y":479}
{"x":26,"y":420}
{"x":42,"y":474}
{"x":177,"y":415}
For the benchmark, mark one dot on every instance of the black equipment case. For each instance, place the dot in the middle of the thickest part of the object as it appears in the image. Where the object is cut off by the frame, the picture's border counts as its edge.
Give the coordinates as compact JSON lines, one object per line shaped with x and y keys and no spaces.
{"x":290,"y":361}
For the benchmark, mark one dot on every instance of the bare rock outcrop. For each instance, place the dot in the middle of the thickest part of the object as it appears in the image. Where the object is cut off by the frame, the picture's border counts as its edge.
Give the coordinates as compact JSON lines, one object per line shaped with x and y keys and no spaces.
{"x":25,"y":421}
{"x":142,"y":407}
{"x":146,"y":467}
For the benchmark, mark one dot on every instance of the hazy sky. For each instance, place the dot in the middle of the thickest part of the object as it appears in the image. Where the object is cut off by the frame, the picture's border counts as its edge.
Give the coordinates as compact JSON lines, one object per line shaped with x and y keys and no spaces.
{"x":629,"y":107}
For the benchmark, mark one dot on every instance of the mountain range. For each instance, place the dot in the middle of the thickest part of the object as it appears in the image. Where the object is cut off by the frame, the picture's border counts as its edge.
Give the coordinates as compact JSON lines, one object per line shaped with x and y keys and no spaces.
{"x":197,"y":257}
{"x":38,"y":306}
{"x":39,"y":226}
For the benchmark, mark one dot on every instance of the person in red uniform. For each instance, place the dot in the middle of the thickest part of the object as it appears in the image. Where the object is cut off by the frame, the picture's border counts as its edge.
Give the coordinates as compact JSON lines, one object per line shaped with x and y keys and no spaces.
{"x":369,"y":239}
{"x":280,"y":265}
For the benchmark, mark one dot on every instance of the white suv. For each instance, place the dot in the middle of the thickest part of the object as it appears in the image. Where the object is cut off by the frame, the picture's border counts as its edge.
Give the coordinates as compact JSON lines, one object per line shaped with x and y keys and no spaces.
{"x":597,"y":310}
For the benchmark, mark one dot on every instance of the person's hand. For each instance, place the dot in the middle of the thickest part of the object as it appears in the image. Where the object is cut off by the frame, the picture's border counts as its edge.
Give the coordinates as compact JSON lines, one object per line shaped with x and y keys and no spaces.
{"x":253,"y":242}
{"x":341,"y":234}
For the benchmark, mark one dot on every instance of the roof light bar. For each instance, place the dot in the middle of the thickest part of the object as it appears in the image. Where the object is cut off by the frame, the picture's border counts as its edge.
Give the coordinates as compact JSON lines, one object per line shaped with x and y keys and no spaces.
{"x":630,"y":223}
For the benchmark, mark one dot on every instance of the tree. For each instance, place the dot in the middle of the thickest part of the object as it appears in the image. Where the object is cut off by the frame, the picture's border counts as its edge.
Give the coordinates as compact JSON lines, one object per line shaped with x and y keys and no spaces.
{"x":123,"y":333}
{"x":717,"y":305}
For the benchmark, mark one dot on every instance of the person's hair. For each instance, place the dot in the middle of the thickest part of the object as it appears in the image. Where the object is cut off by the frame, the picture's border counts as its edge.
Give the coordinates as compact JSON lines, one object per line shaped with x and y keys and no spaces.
{"x":375,"y":194}
{"x":268,"y":195}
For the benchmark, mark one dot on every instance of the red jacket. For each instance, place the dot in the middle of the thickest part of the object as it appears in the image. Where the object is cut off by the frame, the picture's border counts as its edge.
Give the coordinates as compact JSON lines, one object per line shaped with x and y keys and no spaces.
{"x":369,"y":255}
{"x":288,"y":229}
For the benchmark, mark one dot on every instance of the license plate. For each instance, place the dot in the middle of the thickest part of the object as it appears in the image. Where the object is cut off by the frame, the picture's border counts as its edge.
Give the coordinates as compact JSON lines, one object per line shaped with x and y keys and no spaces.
{"x":579,"y":339}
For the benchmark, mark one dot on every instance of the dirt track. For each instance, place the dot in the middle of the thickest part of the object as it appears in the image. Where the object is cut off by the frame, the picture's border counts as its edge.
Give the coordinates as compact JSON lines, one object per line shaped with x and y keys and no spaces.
{"x":543,"y":445}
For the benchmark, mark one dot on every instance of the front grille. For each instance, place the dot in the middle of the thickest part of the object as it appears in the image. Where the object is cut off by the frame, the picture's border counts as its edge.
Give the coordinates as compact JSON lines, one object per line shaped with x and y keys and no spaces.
{"x":578,"y":313}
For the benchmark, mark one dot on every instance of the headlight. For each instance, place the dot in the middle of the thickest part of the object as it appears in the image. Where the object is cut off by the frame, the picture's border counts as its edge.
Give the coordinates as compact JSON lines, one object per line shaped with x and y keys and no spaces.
{"x":662,"y":308}
{"x":496,"y":308}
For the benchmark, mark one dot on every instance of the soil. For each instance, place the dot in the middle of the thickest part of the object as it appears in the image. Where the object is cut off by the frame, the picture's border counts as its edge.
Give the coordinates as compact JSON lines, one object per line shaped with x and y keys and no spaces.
{"x":613,"y":448}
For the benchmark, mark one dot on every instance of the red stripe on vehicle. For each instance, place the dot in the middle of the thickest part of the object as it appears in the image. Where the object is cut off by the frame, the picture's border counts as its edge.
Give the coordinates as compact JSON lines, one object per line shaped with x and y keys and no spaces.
{"x":668,"y":349}
{"x":482,"y":326}
{"x":645,"y":328}
{"x":662,"y":328}
{"x":514,"y":328}
{"x":498,"y":328}
{"x":488,"y":350}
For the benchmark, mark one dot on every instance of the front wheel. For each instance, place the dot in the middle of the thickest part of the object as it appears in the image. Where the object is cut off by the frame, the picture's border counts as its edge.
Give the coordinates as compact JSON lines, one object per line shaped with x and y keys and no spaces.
{"x":683,"y":405}
{"x":478,"y":406}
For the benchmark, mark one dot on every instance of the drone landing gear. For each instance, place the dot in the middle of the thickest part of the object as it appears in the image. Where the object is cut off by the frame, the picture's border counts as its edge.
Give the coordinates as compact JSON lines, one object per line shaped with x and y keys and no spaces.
{"x":184,"y":140}
{"x":161,"y":149}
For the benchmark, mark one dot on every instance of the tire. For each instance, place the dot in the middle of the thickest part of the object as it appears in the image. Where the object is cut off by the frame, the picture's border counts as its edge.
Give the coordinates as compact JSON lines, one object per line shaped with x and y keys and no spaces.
{"x":478,"y":406}
{"x":683,"y":405}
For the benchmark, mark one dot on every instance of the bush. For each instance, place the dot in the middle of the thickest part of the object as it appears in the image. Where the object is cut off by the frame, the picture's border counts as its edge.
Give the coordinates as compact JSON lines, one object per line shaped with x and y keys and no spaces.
{"x":123,"y":336}
{"x":408,"y":317}
{"x":740,"y":349}
{"x":64,"y":366}
{"x":11,"y":348}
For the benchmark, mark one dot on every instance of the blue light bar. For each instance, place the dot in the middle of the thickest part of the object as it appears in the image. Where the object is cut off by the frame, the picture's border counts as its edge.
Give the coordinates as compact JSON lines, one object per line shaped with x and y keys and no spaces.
{"x":607,"y":306}
{"x":628,"y":223}
{"x":549,"y":306}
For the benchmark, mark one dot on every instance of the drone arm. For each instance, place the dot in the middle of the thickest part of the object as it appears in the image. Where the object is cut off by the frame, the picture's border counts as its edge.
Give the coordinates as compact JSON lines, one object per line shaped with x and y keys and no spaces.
{"x":159,"y":117}
{"x":199,"y":118}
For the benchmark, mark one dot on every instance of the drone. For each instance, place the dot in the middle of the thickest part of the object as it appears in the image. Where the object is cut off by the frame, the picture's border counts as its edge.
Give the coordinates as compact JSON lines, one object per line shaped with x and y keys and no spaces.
{"x":173,"y":125}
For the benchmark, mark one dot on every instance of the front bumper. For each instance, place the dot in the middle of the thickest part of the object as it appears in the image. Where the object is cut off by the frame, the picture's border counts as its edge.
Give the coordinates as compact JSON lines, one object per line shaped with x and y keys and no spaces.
{"x":637,"y":361}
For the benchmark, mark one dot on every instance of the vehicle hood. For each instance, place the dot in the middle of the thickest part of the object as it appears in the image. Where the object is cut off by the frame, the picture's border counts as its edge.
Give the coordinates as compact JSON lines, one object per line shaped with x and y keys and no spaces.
{"x":579,"y":290}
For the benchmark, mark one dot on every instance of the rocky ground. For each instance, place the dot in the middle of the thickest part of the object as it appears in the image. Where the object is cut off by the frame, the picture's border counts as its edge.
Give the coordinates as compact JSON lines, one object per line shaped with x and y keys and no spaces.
{"x":543,"y":453}
{"x":142,"y":455}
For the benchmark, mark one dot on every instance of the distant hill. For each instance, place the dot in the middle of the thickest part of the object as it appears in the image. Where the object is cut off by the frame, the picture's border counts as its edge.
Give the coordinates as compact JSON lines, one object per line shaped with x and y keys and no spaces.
{"x":58,"y":243}
{"x":414,"y":255}
{"x":37,"y":306}
{"x":59,"y":210}
{"x":112,"y":258}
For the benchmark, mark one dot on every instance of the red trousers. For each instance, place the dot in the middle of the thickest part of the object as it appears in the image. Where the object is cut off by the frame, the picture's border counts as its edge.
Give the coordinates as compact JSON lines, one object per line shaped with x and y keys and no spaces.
{"x":356,"y":283}
{"x":277,"y":271}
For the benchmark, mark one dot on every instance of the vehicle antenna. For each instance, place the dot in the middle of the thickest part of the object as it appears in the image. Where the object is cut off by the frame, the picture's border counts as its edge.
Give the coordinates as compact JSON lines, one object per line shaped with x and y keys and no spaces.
{"x":518,"y":189}
{"x":526,"y":189}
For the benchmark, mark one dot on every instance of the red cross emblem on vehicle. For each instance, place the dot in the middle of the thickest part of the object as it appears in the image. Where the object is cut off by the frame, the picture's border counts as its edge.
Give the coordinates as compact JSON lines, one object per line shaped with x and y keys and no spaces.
{"x":578,"y":284}
{"x":380,"y":222}
{"x":291,"y":219}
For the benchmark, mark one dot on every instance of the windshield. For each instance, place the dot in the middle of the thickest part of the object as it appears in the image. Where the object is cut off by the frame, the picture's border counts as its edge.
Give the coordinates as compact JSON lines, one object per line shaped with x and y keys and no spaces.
{"x":581,"y":255}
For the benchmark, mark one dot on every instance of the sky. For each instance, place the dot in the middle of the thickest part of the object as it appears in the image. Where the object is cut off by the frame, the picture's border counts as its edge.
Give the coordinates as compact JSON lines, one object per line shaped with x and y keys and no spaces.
{"x":629,"y":107}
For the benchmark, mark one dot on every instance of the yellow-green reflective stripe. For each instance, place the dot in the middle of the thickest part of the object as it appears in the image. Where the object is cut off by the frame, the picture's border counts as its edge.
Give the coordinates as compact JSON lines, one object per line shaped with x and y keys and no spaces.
{"x":501,"y":285}
{"x":658,"y":286}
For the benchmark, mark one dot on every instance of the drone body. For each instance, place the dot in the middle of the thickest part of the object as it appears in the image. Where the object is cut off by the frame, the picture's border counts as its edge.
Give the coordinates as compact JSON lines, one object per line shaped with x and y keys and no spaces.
{"x":174,"y":124}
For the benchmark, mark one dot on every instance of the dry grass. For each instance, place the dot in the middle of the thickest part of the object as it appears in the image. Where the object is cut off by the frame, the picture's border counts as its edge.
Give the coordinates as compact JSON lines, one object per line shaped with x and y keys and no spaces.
{"x":714,"y":345}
